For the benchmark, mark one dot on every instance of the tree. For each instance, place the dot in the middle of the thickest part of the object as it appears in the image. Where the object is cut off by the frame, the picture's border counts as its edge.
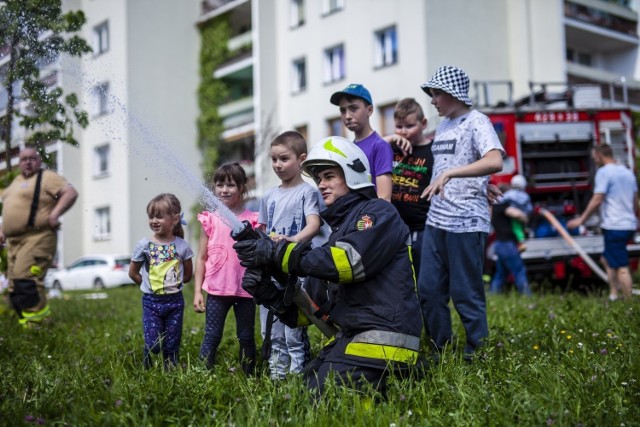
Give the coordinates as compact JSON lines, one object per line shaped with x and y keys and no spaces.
{"x":35,"y":33}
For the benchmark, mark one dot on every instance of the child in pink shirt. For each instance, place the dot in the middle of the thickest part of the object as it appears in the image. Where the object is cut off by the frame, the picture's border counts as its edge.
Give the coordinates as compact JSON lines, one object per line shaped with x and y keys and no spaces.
{"x":219,"y":273}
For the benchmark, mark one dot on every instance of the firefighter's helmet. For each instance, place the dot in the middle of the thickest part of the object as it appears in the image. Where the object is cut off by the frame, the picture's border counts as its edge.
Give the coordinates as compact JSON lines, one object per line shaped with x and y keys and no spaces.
{"x":519,"y":182}
{"x":338,"y":151}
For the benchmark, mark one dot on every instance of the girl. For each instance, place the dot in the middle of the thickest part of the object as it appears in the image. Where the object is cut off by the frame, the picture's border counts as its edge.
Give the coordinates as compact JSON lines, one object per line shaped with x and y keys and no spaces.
{"x":219,"y":274}
{"x":161,"y":265}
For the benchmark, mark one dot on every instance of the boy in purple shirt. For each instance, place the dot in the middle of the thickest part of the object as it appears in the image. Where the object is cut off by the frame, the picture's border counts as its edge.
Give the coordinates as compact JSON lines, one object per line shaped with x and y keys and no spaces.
{"x":355,"y":109}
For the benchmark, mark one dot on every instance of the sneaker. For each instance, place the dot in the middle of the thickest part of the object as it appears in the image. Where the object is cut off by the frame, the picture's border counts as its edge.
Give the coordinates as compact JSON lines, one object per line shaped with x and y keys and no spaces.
{"x":613,"y":297}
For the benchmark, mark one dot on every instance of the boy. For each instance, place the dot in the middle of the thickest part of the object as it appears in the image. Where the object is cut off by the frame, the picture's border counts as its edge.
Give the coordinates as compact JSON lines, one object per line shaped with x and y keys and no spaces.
{"x":360,"y":279}
{"x":519,"y":199}
{"x":411,"y":170}
{"x":355,"y":109}
{"x":466,"y":149}
{"x":288,"y":212}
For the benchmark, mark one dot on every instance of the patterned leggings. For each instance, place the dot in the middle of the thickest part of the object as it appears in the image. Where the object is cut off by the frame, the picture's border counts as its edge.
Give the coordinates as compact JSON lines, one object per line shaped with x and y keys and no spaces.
{"x":162,"y":326}
{"x":245,"y":312}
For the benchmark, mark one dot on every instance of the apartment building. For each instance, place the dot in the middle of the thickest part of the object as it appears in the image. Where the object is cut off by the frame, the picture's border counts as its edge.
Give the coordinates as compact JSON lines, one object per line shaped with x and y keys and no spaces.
{"x":139,"y":88}
{"x":301,"y":51}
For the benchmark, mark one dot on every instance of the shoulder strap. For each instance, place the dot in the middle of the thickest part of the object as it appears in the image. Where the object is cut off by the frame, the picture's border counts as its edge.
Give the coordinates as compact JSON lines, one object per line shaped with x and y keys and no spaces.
{"x":35,"y":201}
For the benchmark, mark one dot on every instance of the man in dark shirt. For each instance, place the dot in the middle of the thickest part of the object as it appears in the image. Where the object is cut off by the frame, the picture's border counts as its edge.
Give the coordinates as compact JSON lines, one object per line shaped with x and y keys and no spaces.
{"x":506,"y":248}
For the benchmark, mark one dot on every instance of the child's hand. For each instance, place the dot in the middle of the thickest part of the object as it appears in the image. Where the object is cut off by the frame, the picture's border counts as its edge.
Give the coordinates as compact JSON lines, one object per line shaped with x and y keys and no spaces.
{"x":436,"y":187}
{"x":402,"y":143}
{"x":198,"y":303}
{"x":280,"y":237}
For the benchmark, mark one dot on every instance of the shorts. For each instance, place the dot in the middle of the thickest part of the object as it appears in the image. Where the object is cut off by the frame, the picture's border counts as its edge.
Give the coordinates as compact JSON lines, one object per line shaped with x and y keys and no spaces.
{"x":615,"y":247}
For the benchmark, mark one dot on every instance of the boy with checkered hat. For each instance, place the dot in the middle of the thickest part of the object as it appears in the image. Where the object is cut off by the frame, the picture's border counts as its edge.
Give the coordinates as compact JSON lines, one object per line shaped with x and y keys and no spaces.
{"x":355,"y":109}
{"x":466,"y":150}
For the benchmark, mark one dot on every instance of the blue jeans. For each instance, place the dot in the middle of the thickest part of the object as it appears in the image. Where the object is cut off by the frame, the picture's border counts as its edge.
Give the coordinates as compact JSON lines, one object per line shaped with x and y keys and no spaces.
{"x":509,"y":261}
{"x":452,"y":270}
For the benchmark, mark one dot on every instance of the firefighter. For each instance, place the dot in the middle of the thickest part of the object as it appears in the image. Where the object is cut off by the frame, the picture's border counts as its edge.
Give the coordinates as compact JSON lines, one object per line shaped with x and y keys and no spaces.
{"x":361,"y":280}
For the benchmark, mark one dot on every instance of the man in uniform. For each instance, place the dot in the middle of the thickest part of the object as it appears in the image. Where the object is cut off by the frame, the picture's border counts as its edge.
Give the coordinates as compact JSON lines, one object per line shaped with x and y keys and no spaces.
{"x":32,"y":206}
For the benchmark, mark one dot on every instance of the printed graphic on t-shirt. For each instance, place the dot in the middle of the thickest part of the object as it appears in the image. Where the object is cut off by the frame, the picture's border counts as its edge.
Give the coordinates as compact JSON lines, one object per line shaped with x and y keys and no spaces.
{"x":164,"y":267}
{"x":298,"y":221}
{"x":444,"y":147}
{"x":408,"y":173}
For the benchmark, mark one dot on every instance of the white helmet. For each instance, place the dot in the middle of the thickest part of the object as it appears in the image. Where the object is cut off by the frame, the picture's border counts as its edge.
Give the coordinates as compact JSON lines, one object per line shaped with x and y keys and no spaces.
{"x":338,"y":151}
{"x":519,"y":181}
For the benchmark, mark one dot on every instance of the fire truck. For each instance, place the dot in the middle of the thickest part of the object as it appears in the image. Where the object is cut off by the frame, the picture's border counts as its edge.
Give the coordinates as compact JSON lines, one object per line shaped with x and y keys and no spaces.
{"x":548,"y":136}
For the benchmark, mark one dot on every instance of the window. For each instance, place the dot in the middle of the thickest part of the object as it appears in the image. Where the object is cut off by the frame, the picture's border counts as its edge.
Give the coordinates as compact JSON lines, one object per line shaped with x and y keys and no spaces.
{"x":299,"y":75}
{"x":101,"y":163}
{"x":302,"y":130}
{"x":387,"y":124}
{"x":334,"y":64}
{"x":297,"y":13}
{"x":101,"y":38}
{"x":335,"y":127}
{"x":102,"y":229}
{"x":580,"y":57}
{"x":386,"y":47}
{"x":101,"y":99}
{"x":331,"y":6}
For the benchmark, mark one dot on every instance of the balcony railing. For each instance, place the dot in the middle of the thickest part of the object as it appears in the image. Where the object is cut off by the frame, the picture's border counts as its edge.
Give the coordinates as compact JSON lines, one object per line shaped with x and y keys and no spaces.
{"x":209,"y":5}
{"x":600,"y":18}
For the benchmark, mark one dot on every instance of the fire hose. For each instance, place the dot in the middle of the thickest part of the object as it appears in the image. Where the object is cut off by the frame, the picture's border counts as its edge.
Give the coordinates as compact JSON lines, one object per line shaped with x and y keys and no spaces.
{"x":571,"y":242}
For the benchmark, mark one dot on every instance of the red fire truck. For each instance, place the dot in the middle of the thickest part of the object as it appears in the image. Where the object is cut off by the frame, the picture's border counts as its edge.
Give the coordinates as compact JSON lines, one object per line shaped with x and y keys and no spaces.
{"x":548,"y":138}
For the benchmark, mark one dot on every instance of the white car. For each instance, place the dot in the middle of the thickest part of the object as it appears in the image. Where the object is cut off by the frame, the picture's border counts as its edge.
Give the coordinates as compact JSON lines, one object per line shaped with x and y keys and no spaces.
{"x":91,"y":272}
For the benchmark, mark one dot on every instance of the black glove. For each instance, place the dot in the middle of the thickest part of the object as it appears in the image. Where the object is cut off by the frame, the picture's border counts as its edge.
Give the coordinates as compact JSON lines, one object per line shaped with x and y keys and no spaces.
{"x":259,"y":284}
{"x":256,"y":253}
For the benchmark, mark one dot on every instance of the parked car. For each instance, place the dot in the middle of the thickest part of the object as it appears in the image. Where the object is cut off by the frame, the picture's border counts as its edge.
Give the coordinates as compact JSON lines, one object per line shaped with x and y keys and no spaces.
{"x":91,"y":272}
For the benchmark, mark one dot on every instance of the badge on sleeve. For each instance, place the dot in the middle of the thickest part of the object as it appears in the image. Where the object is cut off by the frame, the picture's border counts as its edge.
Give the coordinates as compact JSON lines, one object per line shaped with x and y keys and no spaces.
{"x":364,"y":222}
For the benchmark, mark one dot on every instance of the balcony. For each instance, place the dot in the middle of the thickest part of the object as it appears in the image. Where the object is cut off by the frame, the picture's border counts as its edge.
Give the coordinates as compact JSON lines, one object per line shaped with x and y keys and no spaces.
{"x":603,"y":15}
{"x":213,"y":8}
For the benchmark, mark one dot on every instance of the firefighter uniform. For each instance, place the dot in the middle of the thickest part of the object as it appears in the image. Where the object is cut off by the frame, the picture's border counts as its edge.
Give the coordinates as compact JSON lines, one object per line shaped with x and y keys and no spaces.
{"x":362,"y":280}
{"x":31,"y":247}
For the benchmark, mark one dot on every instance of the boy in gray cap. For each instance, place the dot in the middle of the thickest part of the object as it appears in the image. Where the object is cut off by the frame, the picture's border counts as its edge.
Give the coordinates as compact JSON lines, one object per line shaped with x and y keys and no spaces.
{"x":466,"y":150}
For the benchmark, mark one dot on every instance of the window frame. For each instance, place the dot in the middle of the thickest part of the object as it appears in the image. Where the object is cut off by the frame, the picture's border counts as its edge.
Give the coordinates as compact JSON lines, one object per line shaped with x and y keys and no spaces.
{"x":385,"y":49}
{"x":299,"y":75}
{"x":102,"y":223}
{"x":100,"y":94}
{"x":329,"y":63}
{"x":331,"y":122}
{"x":330,"y":7}
{"x":385,"y":113}
{"x":98,"y":171}
{"x":296,"y":15}
{"x":101,"y":38}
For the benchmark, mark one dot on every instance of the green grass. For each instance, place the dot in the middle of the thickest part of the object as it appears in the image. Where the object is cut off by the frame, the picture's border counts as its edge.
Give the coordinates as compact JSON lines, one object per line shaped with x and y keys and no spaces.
{"x":555,"y":359}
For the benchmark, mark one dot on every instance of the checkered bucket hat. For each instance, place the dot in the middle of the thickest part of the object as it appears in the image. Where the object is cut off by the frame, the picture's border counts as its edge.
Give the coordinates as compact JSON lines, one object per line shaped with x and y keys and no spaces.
{"x":452,"y":80}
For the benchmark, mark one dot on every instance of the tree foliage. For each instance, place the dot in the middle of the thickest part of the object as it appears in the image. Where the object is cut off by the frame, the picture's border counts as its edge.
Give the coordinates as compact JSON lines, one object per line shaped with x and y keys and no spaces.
{"x":36,"y":33}
{"x":212,"y":92}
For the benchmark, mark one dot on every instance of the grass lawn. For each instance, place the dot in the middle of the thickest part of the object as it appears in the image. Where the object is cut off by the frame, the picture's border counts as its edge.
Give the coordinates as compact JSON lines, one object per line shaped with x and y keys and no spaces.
{"x":555,"y":359}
